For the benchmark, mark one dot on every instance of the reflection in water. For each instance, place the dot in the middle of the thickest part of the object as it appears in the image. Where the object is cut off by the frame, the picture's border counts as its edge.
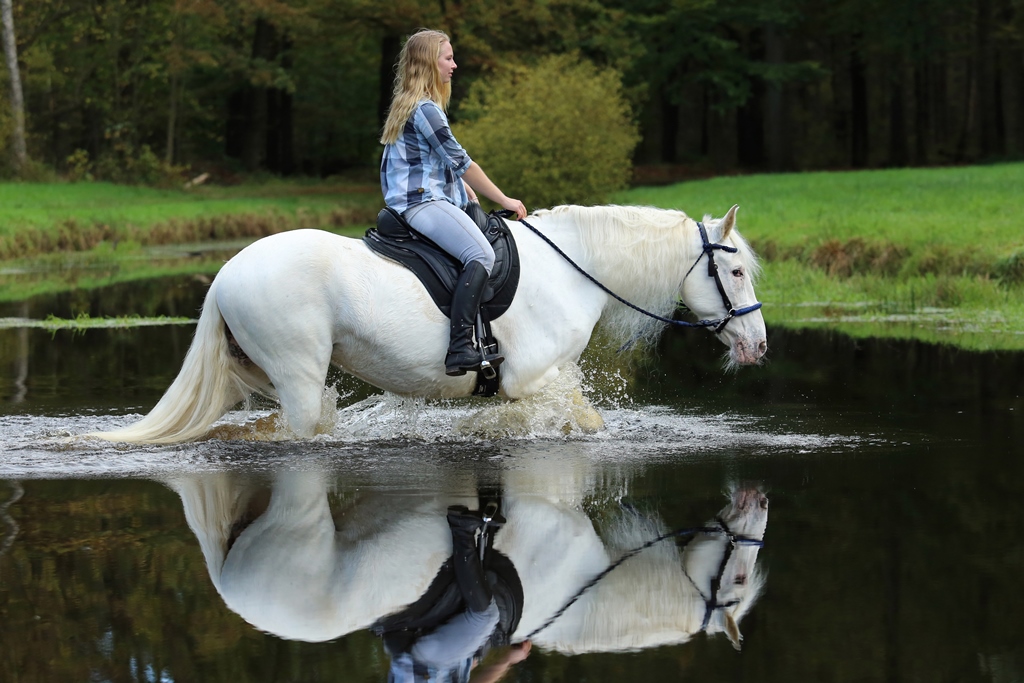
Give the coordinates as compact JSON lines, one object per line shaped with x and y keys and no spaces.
{"x":898,"y":466}
{"x":20,"y":363}
{"x":297,"y":560}
{"x":10,"y":527}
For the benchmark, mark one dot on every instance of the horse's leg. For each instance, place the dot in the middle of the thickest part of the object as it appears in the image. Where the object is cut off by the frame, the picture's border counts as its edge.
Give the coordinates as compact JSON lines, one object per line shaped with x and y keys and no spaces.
{"x":584,"y":414}
{"x":299,"y":378}
{"x":294,"y":350}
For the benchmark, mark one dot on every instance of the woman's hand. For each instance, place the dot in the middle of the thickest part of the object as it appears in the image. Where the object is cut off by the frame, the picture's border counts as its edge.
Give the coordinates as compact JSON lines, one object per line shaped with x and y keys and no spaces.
{"x":519,"y":652}
{"x":475,"y":177}
{"x":516,"y":206}
{"x":495,"y":671}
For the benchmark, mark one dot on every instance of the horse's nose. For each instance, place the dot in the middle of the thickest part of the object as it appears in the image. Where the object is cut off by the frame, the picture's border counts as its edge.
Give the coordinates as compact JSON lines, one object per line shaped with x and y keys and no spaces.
{"x":762,"y":348}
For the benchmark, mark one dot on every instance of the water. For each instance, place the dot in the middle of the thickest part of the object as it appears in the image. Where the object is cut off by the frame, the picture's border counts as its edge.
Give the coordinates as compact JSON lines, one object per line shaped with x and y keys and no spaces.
{"x":892,"y":550}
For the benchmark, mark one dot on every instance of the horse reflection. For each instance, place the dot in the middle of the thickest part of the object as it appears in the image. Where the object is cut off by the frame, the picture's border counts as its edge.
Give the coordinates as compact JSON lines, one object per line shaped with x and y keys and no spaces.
{"x":289,"y":565}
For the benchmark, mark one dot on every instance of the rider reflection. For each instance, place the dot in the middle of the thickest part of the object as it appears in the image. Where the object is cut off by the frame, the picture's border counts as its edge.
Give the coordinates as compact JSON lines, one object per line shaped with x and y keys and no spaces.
{"x":472,"y":605}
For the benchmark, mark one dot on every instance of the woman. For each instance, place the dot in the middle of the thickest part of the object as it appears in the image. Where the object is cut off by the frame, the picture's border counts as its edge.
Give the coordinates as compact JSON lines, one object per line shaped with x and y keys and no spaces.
{"x":429,"y":178}
{"x":444,"y":635}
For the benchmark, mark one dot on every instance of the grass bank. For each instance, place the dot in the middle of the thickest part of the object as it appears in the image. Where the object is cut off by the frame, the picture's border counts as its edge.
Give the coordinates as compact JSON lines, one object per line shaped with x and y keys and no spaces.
{"x":41,"y":218}
{"x":945,"y":221}
{"x":930,"y":254}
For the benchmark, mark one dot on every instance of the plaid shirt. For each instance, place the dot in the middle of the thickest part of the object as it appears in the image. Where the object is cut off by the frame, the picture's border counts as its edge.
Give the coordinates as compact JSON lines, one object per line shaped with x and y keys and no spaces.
{"x":425,"y":163}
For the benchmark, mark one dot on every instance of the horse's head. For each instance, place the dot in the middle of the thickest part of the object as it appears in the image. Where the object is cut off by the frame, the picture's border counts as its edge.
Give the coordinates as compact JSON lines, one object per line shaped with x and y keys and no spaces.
{"x":721,"y":564}
{"x":720,"y":286}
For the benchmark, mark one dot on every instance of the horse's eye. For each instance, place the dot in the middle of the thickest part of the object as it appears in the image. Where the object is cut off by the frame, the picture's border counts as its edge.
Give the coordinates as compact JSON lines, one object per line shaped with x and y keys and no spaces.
{"x":737,"y":272}
{"x":741,"y":579}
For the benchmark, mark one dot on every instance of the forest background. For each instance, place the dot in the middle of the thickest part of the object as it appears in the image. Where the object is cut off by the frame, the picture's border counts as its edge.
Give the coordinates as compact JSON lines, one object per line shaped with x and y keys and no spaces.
{"x":118,"y":89}
{"x":278,"y":105}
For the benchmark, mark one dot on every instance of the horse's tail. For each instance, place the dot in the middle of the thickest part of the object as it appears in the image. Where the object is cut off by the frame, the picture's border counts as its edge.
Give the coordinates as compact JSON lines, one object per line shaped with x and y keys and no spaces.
{"x":213,"y":502}
{"x":210,"y":382}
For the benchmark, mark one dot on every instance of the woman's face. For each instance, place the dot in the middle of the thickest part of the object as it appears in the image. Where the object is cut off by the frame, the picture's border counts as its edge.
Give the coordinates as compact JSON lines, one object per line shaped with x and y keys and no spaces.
{"x":446,"y":62}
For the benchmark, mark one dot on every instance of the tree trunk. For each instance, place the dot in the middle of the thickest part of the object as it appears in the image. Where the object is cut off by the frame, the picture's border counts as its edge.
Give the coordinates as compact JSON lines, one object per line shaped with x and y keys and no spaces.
{"x":172,"y":119}
{"x":750,"y":147}
{"x":280,"y":132}
{"x":1012,"y":69}
{"x":1014,"y":101}
{"x":899,"y":150}
{"x":390,"y":47}
{"x":778,"y":137}
{"x":967,"y":124}
{"x":922,"y":114}
{"x":254,"y":134}
{"x":858,"y":110}
{"x":986,"y":114}
{"x":17,"y":100}
{"x":669,"y":130}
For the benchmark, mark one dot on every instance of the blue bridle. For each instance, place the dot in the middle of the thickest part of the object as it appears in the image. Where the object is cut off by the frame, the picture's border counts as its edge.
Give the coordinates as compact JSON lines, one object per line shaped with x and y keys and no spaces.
{"x":711,"y":601}
{"x":708,"y":249}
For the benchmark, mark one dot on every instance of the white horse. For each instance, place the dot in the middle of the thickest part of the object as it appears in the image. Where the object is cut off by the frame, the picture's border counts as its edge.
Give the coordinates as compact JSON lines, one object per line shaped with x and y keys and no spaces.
{"x":290,"y":566}
{"x":296,"y":302}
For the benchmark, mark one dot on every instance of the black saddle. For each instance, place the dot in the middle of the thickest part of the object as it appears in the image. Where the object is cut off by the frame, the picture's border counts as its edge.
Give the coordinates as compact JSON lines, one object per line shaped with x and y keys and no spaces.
{"x":443,"y":600}
{"x":393,"y":238}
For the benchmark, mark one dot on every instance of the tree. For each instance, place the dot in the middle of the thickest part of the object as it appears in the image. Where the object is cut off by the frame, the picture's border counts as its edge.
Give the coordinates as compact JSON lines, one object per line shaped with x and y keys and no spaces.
{"x":560,"y":132}
{"x":17,"y":100}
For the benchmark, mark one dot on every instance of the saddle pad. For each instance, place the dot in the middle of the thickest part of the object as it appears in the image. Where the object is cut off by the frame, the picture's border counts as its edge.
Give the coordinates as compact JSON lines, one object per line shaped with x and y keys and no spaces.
{"x":394,"y":239}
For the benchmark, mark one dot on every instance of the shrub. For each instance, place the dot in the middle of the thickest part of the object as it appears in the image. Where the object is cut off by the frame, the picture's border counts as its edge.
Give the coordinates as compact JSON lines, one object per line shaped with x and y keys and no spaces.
{"x":556,"y":133}
{"x":79,"y":166}
{"x":126,"y":162}
{"x":1010,"y":269}
{"x":845,"y":259}
{"x":137,"y":166}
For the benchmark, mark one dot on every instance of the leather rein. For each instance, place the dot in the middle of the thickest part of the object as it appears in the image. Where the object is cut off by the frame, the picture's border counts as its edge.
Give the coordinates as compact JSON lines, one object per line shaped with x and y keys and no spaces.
{"x":708,"y":249}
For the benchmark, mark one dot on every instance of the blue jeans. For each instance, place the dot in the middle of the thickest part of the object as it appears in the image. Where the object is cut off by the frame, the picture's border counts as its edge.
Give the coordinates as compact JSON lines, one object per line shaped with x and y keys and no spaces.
{"x":451,"y":228}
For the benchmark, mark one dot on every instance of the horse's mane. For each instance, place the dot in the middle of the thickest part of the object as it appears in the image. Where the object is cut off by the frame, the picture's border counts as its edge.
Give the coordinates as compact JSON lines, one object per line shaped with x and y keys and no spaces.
{"x":645,"y":251}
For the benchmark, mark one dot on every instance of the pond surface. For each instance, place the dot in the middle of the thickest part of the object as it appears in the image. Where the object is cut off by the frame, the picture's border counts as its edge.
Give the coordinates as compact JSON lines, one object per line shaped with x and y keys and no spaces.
{"x":893,"y":544}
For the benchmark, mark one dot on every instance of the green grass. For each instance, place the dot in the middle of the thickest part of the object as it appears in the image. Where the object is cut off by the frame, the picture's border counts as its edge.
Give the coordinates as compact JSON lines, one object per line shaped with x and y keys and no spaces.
{"x":929,"y":254}
{"x":969,"y":312}
{"x":57,"y":237}
{"x":42,"y":205}
{"x":108,"y":264}
{"x":37,"y":218}
{"x":904,"y":221}
{"x":85,"y":322}
{"x":101,"y":267}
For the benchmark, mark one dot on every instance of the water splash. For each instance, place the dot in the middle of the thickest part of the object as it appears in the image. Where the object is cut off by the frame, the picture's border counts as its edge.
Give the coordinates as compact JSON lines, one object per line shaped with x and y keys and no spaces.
{"x":408,"y":430}
{"x":560,"y":409}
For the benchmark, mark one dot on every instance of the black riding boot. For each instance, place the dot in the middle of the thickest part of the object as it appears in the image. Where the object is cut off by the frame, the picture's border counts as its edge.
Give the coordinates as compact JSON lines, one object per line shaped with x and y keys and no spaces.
{"x":469,"y":570}
{"x":463,"y":355}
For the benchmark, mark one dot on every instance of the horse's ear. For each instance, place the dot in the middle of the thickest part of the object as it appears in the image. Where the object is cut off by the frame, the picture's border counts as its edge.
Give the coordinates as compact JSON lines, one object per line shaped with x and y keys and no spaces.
{"x":732,"y":630}
{"x":729,"y":221}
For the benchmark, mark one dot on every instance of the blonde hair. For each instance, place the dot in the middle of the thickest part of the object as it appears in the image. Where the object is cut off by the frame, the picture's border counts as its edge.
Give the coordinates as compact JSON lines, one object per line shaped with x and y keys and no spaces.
{"x":417,"y":78}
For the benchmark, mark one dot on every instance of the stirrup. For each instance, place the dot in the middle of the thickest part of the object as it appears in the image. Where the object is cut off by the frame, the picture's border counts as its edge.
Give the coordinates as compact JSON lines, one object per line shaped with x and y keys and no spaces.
{"x":491,"y":516}
{"x":485,"y":364}
{"x":489,"y":367}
